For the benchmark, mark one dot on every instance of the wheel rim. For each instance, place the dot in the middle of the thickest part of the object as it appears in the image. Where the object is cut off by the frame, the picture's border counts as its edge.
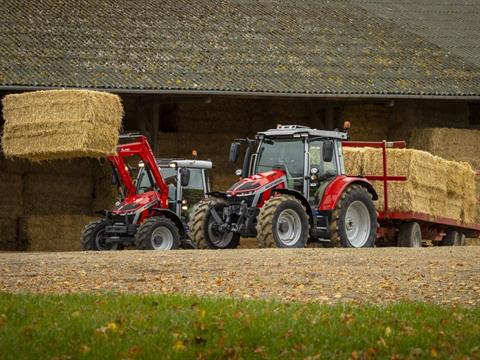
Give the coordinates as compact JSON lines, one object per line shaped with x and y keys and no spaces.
{"x":161,"y":238}
{"x":357,"y":224}
{"x":289,"y":227}
{"x":100,"y":241}
{"x":217,"y":238}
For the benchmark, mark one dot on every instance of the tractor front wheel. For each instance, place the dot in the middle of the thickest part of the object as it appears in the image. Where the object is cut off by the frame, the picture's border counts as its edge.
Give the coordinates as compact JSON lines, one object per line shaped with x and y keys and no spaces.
{"x":282,"y":222}
{"x":94,"y":237}
{"x":157,"y":233}
{"x":205,"y":232}
{"x":354,"y":220}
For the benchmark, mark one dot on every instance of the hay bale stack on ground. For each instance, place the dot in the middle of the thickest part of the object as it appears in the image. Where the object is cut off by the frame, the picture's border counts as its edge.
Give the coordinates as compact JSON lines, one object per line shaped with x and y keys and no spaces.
{"x":432,"y":181}
{"x":8,"y":234}
{"x":11,"y":203}
{"x":52,"y":193}
{"x":53,"y":232}
{"x":59,"y":124}
{"x":104,"y":193}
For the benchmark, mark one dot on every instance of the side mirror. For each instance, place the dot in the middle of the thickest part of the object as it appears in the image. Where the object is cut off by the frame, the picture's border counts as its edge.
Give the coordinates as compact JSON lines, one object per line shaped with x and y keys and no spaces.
{"x":327,"y":150}
{"x":184,"y":176}
{"x":234,"y":152}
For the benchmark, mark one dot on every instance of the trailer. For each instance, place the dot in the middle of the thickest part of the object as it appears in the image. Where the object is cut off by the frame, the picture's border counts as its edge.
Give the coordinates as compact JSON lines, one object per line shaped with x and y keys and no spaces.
{"x":409,"y":228}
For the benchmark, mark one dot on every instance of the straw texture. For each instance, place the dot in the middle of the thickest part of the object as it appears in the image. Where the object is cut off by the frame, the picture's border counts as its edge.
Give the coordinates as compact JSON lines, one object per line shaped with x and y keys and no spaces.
{"x":435,"y":186}
{"x":61,"y":124}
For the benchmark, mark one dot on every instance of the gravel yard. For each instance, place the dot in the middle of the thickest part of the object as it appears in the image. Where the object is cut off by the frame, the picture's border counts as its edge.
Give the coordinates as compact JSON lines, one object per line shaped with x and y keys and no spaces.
{"x":448,"y":275}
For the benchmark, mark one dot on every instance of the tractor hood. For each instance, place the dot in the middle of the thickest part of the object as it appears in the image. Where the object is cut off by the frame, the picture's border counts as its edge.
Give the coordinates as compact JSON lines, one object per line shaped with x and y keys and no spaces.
{"x":136,"y":202}
{"x":251,"y":184}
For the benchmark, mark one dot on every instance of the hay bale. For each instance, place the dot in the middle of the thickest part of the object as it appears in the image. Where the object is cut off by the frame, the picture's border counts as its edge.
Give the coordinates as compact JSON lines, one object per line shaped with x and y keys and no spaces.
{"x":53,"y":232}
{"x":59,"y":124}
{"x":104,"y":193}
{"x":451,"y":144}
{"x":51,"y":193}
{"x":11,"y":203}
{"x":12,"y":166}
{"x":9,"y":234}
{"x":435,"y":186}
{"x":69,"y":167}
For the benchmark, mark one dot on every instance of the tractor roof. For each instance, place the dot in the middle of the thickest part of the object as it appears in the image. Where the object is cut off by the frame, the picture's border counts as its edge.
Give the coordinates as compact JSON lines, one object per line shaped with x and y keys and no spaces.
{"x":297,"y":130}
{"x":185,"y":163}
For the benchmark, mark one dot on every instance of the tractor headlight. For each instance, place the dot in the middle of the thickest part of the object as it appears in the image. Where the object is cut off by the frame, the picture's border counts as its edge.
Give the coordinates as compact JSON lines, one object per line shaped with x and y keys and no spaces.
{"x":184,"y":204}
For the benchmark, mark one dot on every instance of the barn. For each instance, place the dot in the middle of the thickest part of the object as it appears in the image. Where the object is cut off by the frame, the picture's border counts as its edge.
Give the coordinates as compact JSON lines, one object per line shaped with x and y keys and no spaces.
{"x":196,"y":75}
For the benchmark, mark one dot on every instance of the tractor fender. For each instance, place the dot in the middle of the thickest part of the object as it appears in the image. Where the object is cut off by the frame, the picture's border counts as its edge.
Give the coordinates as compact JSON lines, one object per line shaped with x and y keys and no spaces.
{"x":335,"y":189}
{"x":299,"y":196}
{"x":172,"y":216}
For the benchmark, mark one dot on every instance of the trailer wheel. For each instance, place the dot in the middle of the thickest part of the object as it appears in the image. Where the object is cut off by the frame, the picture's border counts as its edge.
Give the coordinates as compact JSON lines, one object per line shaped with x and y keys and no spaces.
{"x":452,"y":238}
{"x":410,"y":235}
{"x":157,"y":233}
{"x":93,"y":237}
{"x":282,"y":222}
{"x":202,"y":229}
{"x":354,"y":220}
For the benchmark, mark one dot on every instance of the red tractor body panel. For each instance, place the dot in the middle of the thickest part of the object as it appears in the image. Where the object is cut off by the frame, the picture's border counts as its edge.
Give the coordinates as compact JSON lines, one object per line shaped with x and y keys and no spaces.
{"x":256,"y":183}
{"x":335,"y":189}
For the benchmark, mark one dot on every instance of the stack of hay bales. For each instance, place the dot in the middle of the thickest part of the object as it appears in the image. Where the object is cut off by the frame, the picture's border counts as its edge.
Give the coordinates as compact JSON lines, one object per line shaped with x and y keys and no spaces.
{"x":435,"y":186}
{"x":452,"y":144}
{"x":369,"y":122}
{"x":60,"y":124}
{"x":55,"y":199}
{"x":11,"y":204}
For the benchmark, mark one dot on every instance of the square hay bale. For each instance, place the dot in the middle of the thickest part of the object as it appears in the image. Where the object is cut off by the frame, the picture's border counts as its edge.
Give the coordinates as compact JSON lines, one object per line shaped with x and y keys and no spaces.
{"x":54,"y":232}
{"x":451,"y":144}
{"x":104,"y":193}
{"x":12,"y":166}
{"x":435,"y":186}
{"x":68,"y":167}
{"x":9,"y":234}
{"x":60,"y":124}
{"x":52,"y":193}
{"x":11,"y":203}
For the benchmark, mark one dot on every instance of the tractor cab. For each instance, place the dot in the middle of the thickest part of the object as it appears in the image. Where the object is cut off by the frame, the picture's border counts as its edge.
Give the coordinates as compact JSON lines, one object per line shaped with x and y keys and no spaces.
{"x":187,"y":182}
{"x":308,"y":158}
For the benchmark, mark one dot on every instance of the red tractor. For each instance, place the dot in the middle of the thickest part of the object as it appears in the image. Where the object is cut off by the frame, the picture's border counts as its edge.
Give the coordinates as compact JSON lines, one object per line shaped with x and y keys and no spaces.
{"x":142,"y":216}
{"x":293,"y":190}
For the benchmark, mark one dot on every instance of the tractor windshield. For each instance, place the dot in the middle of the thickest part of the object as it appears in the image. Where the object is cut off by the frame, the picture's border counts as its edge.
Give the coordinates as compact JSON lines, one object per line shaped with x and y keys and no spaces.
{"x":284,"y":154}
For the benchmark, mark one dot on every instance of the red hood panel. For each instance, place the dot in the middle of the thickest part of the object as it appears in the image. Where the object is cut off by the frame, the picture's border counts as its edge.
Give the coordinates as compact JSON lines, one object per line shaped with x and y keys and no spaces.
{"x":136,"y":201}
{"x":254,"y":182}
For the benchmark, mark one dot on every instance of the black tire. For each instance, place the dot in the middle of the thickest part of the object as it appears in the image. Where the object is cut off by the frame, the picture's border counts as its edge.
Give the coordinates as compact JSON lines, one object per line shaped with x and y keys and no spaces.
{"x":157,"y":233}
{"x":452,"y":238}
{"x":93,"y":237}
{"x":280,"y":216}
{"x":354,"y":197}
{"x":201,"y":230}
{"x":410,"y":235}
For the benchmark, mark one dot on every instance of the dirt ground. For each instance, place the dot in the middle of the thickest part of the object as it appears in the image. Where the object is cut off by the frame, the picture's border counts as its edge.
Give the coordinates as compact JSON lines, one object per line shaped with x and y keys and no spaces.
{"x":442,"y":275}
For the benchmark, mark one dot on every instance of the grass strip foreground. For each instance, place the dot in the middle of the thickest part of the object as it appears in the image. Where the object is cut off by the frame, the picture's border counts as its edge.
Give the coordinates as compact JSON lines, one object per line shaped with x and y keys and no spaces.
{"x":173,"y":326}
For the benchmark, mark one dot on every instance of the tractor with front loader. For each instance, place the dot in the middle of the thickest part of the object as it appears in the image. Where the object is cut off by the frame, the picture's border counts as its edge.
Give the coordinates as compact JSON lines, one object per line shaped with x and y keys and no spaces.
{"x":155,"y":196}
{"x":293,"y":190}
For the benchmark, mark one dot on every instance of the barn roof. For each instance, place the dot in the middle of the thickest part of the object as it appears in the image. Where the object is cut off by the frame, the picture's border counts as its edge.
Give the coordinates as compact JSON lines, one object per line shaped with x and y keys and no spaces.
{"x":343,"y":47}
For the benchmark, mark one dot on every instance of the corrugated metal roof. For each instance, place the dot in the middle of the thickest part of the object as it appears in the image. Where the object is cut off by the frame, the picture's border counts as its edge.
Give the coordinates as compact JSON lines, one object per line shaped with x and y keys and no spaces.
{"x":297,"y":47}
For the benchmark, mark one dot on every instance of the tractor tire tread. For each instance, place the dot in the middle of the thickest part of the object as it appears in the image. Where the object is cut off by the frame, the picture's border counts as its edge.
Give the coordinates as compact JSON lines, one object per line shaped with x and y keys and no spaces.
{"x":141,"y":237}
{"x":197,"y":221}
{"x":265,"y":237}
{"x":87,"y":239}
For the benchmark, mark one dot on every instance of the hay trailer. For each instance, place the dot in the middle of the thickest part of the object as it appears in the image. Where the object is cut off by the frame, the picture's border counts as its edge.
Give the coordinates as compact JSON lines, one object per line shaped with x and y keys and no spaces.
{"x":411,"y":228}
{"x":143,"y":217}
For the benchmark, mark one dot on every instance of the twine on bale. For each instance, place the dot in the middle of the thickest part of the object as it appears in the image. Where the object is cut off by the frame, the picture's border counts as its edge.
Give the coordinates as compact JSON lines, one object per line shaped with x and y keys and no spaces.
{"x":61,"y":124}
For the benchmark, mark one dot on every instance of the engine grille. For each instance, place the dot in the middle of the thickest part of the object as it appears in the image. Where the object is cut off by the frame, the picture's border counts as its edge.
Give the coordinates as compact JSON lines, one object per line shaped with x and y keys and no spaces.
{"x":237,"y":200}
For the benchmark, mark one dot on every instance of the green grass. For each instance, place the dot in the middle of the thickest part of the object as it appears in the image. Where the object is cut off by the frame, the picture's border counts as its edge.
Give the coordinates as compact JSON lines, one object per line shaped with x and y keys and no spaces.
{"x":129,"y":326}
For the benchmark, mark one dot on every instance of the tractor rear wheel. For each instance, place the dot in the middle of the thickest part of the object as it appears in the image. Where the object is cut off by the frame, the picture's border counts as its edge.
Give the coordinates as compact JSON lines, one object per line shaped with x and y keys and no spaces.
{"x":202,"y":227}
{"x":452,"y":238}
{"x":93,"y":237}
{"x":410,"y":235}
{"x":354,"y":220}
{"x":282,"y":222}
{"x":157,"y":233}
